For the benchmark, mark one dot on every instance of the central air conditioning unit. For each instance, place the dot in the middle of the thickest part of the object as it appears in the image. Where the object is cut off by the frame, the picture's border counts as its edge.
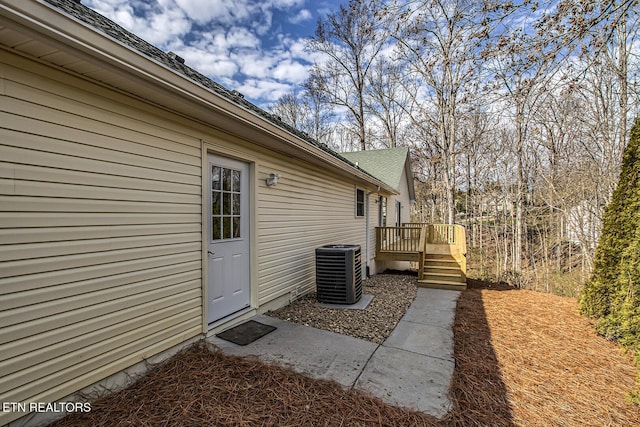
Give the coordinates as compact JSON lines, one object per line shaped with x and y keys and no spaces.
{"x":338,"y":274}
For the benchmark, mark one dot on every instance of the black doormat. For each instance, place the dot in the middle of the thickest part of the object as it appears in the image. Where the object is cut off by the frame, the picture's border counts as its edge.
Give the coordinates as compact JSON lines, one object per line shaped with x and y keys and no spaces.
{"x":246,"y":333}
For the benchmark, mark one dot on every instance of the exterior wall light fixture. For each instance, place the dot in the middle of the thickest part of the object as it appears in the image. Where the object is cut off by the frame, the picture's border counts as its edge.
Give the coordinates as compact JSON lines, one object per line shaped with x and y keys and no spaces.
{"x":272,"y":179}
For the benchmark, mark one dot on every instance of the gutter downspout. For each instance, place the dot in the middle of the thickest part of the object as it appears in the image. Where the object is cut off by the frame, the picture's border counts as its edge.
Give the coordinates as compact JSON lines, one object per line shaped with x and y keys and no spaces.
{"x":367,"y":233}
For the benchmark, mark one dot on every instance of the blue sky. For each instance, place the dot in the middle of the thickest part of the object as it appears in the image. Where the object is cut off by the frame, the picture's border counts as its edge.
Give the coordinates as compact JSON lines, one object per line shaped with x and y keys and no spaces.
{"x":254,"y":46}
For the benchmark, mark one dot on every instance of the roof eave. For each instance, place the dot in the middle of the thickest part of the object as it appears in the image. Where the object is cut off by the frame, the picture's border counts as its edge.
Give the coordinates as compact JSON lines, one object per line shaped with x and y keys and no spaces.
{"x":158,"y":83}
{"x":410,"y":183}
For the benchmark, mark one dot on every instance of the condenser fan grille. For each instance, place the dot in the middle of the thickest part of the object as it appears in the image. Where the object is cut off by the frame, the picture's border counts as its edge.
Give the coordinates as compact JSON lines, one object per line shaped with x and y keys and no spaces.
{"x":338,"y":274}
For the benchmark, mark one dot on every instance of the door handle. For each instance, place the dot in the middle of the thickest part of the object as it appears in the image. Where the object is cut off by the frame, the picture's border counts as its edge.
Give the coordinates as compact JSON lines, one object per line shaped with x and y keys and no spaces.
{"x":211,"y":253}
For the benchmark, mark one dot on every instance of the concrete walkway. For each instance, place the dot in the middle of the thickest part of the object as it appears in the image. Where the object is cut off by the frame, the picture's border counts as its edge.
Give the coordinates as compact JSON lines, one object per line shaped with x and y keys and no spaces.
{"x":412,"y":368}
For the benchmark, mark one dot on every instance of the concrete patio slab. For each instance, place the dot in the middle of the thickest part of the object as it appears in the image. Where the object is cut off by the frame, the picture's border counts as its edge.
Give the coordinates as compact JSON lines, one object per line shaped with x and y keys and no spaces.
{"x":423,"y":339}
{"x":436,"y":299}
{"x":412,"y":368}
{"x":309,"y":351}
{"x":407,"y":379}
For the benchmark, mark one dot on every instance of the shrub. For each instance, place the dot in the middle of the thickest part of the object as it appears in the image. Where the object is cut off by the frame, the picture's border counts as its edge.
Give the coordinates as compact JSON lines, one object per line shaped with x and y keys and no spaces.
{"x":612,"y":294}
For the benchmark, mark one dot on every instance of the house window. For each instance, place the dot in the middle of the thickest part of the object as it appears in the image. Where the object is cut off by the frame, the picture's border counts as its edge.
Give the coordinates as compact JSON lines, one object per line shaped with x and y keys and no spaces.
{"x":398,"y":214}
{"x":382,"y":211}
{"x":359,"y":202}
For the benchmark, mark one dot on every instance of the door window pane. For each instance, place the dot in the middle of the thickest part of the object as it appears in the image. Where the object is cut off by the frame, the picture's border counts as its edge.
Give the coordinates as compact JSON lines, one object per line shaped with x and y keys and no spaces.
{"x":216,"y":231}
{"x":236,"y":181}
{"x":215,"y":178}
{"x":226,"y":227}
{"x":226,"y":179}
{"x":236,"y":227}
{"x":225,"y":203}
{"x":236,"y":204}
{"x":215,"y":203}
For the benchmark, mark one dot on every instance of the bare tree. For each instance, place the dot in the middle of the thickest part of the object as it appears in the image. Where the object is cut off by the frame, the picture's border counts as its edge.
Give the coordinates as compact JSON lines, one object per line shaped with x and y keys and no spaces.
{"x":351,"y":39}
{"x":476,"y":134}
{"x":439,"y":40}
{"x":292,"y":109}
{"x":522,"y":65}
{"x":386,"y":98}
{"x":307,"y":111}
{"x":605,"y":30}
{"x":322,"y":114}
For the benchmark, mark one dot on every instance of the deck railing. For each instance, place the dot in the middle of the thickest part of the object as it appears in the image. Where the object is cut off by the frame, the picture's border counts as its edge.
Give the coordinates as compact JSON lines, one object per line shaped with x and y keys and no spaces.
{"x":398,"y":239}
{"x":442,"y":233}
{"x":412,"y":237}
{"x":451,"y":234}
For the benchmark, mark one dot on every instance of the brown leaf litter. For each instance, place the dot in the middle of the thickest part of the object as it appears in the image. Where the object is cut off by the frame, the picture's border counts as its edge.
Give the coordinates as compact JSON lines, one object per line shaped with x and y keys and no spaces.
{"x":522,"y":358}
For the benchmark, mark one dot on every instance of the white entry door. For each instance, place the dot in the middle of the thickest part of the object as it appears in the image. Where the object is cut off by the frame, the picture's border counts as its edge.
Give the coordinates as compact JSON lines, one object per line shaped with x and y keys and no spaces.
{"x":229,"y":282}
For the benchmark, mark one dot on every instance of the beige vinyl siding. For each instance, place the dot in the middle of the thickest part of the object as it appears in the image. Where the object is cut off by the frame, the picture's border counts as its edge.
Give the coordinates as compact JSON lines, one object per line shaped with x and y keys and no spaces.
{"x":404,"y":199}
{"x":308,"y":208}
{"x":100,"y":233}
{"x":373,"y":223}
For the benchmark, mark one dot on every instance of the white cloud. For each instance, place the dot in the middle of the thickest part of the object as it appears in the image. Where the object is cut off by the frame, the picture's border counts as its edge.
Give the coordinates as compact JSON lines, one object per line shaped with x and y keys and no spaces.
{"x":267,"y":90}
{"x":276,"y":64}
{"x":291,"y":71}
{"x":287,"y":4}
{"x":302,"y":16}
{"x":254,"y":64}
{"x":231,"y":41}
{"x":238,"y":37}
{"x":167,"y":26}
{"x":157,"y":23}
{"x":219,"y":11}
{"x":213,"y":64}
{"x":297,"y":48}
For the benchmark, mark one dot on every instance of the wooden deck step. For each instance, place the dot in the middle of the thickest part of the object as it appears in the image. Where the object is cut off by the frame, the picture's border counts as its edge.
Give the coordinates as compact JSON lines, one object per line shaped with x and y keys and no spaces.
{"x":442,"y":284}
{"x":441,"y":268}
{"x":440,"y":271}
{"x":451,"y":277}
{"x":442,"y":262}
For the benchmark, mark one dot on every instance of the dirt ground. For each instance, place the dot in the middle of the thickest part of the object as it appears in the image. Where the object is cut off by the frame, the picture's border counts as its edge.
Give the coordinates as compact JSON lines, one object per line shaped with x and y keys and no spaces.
{"x":522,"y":359}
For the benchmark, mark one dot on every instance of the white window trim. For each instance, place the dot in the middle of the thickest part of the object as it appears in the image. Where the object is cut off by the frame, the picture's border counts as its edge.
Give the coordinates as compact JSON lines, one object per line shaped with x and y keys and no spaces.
{"x":364,"y":196}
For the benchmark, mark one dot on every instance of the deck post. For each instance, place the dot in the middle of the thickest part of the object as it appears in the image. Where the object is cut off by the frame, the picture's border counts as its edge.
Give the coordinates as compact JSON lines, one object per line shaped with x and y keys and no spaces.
{"x":422,"y":245}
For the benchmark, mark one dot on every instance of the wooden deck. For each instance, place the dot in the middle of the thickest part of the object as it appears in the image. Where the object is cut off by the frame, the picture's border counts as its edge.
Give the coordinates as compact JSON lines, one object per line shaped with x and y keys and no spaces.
{"x":399,"y":243}
{"x":439,"y":249}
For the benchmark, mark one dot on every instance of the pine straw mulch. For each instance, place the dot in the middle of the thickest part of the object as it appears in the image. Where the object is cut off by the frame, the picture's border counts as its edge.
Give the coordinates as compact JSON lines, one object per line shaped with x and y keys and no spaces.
{"x":203,"y":387}
{"x":527,"y":358}
{"x":522,"y":358}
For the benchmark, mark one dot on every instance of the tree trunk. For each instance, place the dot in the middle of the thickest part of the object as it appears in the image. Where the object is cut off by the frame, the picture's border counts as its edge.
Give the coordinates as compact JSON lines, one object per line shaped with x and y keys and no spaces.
{"x":361,"y":126}
{"x":517,"y":251}
{"x":622,"y":77}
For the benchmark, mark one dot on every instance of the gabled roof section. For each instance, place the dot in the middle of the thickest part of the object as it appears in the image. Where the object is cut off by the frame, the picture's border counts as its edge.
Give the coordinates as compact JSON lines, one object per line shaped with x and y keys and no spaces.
{"x":387,"y":165}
